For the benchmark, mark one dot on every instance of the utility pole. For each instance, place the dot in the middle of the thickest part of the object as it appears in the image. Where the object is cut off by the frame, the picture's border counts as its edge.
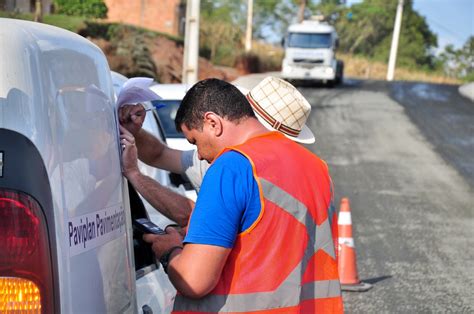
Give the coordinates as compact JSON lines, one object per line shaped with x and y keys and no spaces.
{"x":301,"y":10}
{"x":396,"y":34}
{"x":142,"y":12}
{"x":38,"y":11}
{"x":191,"y":43}
{"x":248,"y":34}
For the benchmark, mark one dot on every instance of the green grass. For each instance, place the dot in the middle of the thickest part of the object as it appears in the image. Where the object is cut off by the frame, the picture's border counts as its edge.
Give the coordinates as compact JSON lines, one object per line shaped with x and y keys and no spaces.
{"x":145,"y":31}
{"x":71,"y":23}
{"x":76,"y":23}
{"x":19,"y":16}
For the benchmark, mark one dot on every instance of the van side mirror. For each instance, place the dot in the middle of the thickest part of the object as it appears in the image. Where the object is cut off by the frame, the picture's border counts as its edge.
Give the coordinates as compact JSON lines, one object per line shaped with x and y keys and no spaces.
{"x":283,"y":42}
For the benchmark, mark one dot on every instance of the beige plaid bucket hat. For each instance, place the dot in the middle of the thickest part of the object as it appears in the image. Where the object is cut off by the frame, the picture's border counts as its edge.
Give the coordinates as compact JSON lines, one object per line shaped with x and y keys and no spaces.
{"x":280,"y":106}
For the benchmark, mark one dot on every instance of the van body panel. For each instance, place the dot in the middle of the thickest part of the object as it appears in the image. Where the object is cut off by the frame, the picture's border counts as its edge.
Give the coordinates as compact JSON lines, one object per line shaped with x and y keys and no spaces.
{"x":56,"y":90}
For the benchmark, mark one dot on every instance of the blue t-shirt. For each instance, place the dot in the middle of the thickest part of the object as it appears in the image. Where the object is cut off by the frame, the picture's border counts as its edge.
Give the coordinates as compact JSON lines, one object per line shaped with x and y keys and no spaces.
{"x":228,"y":203}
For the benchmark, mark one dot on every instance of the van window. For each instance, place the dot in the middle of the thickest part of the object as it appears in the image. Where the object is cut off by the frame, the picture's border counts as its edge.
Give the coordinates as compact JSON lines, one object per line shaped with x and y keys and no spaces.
{"x":167,"y":114}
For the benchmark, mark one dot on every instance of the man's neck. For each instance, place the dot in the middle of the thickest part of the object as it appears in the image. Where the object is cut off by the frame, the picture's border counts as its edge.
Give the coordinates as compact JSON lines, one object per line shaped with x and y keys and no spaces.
{"x":243,"y":131}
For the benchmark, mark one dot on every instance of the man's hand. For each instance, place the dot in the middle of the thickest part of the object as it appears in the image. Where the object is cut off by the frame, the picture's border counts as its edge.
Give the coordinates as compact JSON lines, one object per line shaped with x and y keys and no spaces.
{"x":162,"y":243}
{"x":132,"y":117}
{"x":182,"y":229}
{"x":129,"y":154}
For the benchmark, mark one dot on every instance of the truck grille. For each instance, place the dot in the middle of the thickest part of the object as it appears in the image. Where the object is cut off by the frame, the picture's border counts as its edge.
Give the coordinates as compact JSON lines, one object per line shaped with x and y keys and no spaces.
{"x":313,"y":61}
{"x":308,"y":63}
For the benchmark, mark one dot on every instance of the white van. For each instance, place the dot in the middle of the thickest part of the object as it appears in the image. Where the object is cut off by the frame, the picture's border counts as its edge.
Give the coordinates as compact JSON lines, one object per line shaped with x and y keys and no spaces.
{"x":66,"y":238}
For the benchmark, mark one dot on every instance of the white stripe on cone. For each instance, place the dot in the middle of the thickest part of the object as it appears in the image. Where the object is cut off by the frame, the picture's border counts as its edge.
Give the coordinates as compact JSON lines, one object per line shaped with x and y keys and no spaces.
{"x":344,"y":219}
{"x":347,"y":241}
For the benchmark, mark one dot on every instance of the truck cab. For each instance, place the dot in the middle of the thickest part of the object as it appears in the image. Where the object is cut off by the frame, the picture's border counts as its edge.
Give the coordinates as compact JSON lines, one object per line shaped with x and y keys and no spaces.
{"x":66,"y":239}
{"x":310,"y":53}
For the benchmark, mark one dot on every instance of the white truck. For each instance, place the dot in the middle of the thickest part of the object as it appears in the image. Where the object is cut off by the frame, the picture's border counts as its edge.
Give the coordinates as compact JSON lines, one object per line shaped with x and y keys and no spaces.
{"x":66,"y":239}
{"x":310,"y":53}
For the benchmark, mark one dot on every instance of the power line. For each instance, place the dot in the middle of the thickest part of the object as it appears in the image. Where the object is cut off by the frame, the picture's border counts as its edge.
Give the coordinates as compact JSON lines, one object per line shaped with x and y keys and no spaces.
{"x":455,"y":34}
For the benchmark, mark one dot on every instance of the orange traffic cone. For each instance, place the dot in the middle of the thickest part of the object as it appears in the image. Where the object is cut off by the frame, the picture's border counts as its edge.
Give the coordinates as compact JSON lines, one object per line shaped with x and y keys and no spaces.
{"x":347,"y":256}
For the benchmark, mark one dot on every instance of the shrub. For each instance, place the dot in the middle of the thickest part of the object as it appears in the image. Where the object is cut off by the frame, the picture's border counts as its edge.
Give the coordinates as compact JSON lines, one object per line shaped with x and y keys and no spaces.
{"x":128,"y":47}
{"x":262,"y":58}
{"x":248,"y":63}
{"x":87,"y":8}
{"x":96,"y":30}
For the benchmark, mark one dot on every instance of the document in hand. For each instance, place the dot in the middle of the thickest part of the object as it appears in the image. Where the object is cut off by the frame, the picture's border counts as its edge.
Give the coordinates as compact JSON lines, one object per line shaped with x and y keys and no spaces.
{"x":136,"y":90}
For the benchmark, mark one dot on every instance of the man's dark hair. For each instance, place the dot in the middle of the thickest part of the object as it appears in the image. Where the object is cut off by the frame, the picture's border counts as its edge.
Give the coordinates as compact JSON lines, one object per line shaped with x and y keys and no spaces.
{"x":218,"y":96}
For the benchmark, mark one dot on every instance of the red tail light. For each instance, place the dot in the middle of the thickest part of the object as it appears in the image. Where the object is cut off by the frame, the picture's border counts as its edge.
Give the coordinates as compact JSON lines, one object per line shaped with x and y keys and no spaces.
{"x":26,"y":282}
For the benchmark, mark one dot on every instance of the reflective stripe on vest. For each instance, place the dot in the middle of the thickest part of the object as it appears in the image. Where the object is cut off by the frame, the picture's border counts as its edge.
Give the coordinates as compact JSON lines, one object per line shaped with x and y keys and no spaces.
{"x":286,"y":294}
{"x":260,"y":300}
{"x":322,"y":239}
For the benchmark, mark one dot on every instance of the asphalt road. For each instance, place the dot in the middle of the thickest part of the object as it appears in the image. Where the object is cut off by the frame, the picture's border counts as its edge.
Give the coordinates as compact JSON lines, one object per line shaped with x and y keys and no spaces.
{"x":403,"y":153}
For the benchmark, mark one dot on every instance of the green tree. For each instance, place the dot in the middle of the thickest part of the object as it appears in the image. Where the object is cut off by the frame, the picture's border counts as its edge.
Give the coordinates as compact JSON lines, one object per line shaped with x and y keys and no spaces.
{"x":87,"y":8}
{"x":219,"y":39}
{"x":272,"y":17}
{"x":223,"y":21}
{"x":459,"y":63}
{"x":221,"y":30}
{"x":366,"y":29}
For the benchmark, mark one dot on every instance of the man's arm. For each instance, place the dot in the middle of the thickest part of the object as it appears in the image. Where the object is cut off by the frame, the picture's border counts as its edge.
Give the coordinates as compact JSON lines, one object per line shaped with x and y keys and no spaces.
{"x":169,"y":203}
{"x":150,"y":149}
{"x":195,"y":270}
{"x":155,"y":153}
{"x":217,"y":219}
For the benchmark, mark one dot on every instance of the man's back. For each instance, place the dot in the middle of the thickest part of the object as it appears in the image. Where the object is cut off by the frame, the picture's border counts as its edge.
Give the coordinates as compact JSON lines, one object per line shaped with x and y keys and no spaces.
{"x":300,"y":173}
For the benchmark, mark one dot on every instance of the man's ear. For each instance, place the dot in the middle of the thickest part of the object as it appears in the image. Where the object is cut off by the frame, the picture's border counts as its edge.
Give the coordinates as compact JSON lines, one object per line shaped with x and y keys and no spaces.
{"x":214,"y":122}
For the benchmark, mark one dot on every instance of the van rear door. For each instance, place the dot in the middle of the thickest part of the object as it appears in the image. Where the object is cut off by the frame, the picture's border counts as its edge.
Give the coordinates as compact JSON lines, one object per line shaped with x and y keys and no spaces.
{"x":56,"y":95}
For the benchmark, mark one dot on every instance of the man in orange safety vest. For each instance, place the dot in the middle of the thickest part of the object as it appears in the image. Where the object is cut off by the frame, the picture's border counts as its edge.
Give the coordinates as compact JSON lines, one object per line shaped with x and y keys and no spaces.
{"x":259,"y":238}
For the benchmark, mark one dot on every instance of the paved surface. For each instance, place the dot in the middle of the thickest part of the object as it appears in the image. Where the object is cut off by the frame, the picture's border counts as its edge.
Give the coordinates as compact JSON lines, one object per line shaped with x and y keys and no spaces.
{"x":404,"y":155}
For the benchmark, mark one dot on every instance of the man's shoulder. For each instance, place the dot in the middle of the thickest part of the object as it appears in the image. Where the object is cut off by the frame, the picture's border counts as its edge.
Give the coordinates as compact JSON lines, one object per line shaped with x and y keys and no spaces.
{"x":231,"y":157}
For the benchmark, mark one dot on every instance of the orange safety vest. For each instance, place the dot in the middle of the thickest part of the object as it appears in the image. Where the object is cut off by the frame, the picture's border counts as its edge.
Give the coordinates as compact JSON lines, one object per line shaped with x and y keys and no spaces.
{"x":285,"y":262}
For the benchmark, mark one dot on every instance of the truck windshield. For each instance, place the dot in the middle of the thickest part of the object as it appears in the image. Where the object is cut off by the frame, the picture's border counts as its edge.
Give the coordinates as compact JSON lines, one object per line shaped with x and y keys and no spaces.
{"x":309,"y":40}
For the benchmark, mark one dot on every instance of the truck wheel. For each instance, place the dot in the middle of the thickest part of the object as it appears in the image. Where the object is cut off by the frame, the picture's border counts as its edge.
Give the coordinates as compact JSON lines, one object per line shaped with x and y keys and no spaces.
{"x":339,"y":72}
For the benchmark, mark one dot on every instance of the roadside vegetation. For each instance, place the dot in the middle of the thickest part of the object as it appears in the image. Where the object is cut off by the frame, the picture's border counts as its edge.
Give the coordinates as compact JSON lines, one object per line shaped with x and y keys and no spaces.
{"x":71,"y":23}
{"x":365,"y":32}
{"x":360,"y":67}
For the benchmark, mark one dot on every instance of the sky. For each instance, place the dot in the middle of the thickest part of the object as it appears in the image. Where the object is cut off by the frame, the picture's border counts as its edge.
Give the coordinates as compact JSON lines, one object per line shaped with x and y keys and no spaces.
{"x":451,"y":20}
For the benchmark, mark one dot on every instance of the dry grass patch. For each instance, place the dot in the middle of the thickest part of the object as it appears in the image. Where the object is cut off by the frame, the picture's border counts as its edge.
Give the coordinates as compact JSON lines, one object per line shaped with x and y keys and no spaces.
{"x":363,"y":68}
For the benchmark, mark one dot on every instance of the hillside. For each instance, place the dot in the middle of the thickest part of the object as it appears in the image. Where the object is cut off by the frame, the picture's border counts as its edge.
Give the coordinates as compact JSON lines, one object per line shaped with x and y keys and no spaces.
{"x":134,"y":53}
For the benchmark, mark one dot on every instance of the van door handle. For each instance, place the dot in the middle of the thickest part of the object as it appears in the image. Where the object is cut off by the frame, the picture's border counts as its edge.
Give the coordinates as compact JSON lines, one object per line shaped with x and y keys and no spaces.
{"x":147,"y":309}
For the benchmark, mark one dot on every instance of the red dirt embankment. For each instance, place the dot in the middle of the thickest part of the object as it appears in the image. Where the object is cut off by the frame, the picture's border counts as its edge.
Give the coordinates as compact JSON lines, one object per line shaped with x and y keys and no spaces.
{"x":167,"y":56}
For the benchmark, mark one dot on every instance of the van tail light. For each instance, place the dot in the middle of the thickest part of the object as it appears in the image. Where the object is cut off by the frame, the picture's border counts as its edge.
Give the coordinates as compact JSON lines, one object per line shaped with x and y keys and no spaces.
{"x":26,"y":283}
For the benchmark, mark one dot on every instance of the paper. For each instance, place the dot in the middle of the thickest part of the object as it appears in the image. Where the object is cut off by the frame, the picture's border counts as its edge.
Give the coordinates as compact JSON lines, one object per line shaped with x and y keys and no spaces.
{"x":136,"y":90}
